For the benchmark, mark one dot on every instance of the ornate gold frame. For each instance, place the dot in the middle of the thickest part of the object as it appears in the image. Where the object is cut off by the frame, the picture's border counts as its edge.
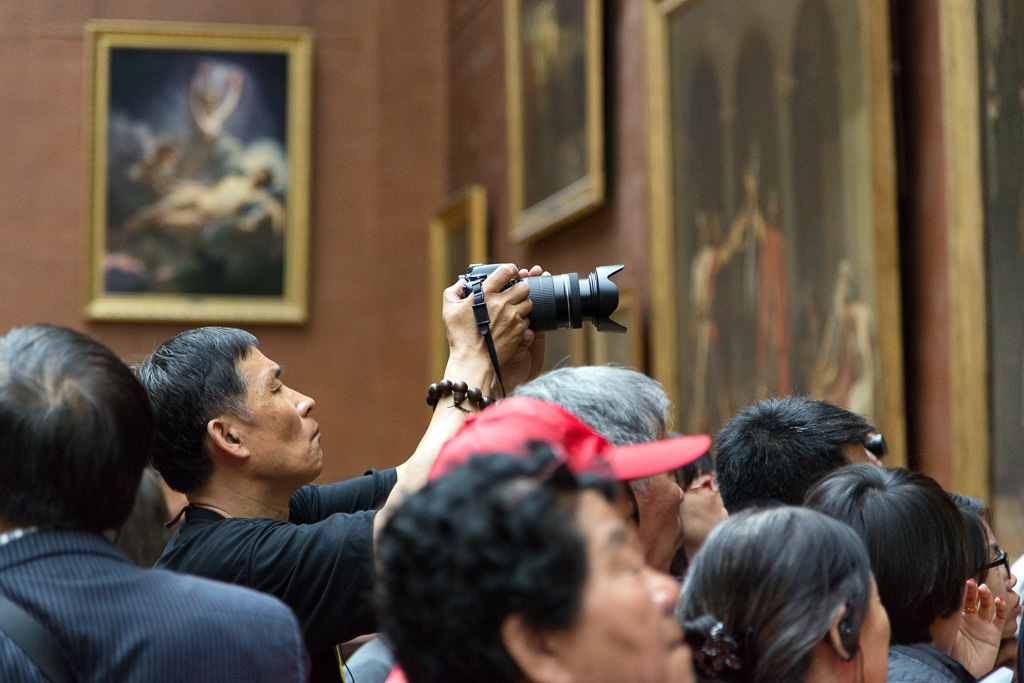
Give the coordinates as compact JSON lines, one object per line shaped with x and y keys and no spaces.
{"x":462,"y":217}
{"x":877,"y":84}
{"x":968,"y":324}
{"x":104,"y":35}
{"x":585,"y":194}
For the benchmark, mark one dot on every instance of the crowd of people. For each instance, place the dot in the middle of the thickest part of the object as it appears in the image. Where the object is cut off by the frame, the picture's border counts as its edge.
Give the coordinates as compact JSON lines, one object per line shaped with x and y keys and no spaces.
{"x":561,"y":535}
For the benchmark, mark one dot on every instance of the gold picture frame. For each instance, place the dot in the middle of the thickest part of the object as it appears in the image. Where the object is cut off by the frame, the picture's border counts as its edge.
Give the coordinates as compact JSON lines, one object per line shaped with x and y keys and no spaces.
{"x":774,"y":260}
{"x":458,"y":238}
{"x":553,"y":60}
{"x":968,"y":334}
{"x":197,"y":172}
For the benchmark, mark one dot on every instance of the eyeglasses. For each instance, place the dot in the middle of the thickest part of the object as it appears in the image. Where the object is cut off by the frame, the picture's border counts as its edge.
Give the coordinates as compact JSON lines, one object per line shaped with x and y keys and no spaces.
{"x":704,"y":481}
{"x":1001,"y":559}
{"x":875,"y":445}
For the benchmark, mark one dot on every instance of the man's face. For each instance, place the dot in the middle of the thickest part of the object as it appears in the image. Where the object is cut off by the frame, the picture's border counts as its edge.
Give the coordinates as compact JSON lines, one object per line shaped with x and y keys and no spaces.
{"x":281,"y":437}
{"x":625,"y":630}
{"x":661,"y":530}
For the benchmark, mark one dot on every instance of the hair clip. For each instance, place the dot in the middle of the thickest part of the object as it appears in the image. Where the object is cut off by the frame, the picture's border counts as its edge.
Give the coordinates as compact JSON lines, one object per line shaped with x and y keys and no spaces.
{"x":718,"y":653}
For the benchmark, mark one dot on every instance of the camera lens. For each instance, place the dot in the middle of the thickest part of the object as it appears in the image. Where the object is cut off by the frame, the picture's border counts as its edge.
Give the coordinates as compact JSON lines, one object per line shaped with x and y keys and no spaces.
{"x":564,"y":301}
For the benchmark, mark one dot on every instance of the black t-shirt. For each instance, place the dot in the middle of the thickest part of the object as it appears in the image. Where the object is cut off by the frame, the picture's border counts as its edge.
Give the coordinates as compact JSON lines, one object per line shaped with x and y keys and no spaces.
{"x":319,"y":562}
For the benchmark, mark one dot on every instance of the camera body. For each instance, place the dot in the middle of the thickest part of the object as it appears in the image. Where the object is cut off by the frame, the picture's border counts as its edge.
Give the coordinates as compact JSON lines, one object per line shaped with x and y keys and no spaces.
{"x":563,"y":301}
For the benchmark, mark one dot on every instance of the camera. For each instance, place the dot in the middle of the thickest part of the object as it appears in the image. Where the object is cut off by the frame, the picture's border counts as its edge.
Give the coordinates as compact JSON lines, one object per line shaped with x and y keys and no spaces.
{"x":563,"y":301}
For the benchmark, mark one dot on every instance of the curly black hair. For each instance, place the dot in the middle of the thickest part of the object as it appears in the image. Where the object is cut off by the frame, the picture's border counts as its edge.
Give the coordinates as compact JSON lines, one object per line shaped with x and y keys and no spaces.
{"x":496,"y":537}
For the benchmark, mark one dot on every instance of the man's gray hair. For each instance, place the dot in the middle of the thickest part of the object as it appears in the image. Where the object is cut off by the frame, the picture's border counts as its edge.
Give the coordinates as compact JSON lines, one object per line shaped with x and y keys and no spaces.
{"x":622,"y":405}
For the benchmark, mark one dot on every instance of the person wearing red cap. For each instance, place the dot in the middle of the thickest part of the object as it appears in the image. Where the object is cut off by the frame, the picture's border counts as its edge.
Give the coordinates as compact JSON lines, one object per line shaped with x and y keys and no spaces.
{"x":516,"y":425}
{"x":627,"y":407}
{"x":516,"y":568}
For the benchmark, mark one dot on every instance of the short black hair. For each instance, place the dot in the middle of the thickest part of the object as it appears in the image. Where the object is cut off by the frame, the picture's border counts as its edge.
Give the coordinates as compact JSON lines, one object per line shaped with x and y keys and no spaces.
{"x":975,"y":513}
{"x":496,"y":537}
{"x":191,"y":379}
{"x":915,"y":536}
{"x":778,"y":448}
{"x":76,"y":431}
{"x":775,"y":579}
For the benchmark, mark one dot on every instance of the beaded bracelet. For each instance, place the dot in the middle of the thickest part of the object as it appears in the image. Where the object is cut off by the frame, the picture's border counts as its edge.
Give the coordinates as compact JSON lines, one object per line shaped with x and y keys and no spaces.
{"x":460,"y":390}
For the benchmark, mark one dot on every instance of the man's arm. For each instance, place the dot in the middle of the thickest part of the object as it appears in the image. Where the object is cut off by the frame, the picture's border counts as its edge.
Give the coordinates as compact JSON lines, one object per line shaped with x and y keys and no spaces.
{"x":468,"y":361}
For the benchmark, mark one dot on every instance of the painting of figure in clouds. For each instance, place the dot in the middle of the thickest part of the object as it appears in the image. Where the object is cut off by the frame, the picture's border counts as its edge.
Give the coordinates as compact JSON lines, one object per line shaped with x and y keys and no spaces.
{"x":196,"y":170}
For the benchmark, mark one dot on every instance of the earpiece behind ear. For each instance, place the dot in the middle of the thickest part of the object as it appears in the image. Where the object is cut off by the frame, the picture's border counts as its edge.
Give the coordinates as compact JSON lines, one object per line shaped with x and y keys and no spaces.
{"x":841,"y":634}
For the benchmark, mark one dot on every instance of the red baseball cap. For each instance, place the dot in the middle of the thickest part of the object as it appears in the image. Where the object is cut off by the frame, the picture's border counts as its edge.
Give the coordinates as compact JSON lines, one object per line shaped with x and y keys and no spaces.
{"x":511,"y":424}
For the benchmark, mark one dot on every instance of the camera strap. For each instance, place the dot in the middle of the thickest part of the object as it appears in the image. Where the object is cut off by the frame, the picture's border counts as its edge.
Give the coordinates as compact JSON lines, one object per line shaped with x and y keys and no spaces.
{"x":483,"y":323}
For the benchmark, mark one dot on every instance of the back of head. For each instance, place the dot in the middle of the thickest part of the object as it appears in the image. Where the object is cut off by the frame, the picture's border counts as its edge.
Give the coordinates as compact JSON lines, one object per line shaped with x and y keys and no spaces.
{"x":974,"y":513}
{"x":915,"y":537}
{"x":76,"y":431}
{"x":622,"y":405}
{"x":770,"y":582}
{"x":776,"y":449}
{"x":493,"y":538}
{"x":191,"y":379}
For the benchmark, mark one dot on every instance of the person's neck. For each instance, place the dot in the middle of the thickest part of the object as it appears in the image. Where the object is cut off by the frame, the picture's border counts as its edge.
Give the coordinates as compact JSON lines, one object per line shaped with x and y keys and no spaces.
{"x":944,"y":632}
{"x":242,"y":499}
{"x":6,"y":527}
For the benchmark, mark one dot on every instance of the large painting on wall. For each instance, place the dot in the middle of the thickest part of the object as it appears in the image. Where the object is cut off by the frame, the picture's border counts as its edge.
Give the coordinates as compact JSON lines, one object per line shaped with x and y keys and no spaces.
{"x":553,"y":60}
{"x":1001,"y":80}
{"x":773,"y":224}
{"x":198,"y":161}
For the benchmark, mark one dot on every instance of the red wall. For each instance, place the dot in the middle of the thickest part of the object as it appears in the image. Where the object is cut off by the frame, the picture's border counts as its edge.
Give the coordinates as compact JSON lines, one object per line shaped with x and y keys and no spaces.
{"x":379,"y":144}
{"x":409,"y":105}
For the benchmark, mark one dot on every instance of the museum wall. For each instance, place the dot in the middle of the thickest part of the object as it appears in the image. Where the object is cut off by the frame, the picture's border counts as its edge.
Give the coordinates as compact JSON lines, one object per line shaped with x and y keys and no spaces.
{"x":619,"y":232}
{"x":409,"y":106}
{"x":380,"y":127}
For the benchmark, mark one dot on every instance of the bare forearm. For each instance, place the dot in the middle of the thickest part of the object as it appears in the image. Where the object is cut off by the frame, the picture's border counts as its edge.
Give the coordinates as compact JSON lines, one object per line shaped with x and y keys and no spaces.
{"x":413,"y":473}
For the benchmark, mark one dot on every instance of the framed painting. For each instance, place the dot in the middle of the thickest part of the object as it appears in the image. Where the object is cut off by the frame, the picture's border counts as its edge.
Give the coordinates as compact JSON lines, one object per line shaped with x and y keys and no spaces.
{"x":626,"y":349}
{"x":458,"y":239}
{"x":553,"y":59}
{"x":197,"y":172}
{"x":993,"y":65}
{"x":773,"y":184}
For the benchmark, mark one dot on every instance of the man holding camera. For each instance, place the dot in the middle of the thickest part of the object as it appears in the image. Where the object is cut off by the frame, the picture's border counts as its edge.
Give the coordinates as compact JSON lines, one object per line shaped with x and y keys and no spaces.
{"x":243,"y":447}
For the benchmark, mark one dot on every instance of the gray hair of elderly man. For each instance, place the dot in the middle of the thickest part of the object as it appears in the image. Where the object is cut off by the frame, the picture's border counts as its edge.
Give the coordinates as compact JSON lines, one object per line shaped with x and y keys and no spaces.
{"x":622,"y":405}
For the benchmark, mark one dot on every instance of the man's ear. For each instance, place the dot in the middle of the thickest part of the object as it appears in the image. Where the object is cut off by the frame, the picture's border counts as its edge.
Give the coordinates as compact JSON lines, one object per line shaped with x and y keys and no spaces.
{"x":225,"y":438}
{"x":533,"y":651}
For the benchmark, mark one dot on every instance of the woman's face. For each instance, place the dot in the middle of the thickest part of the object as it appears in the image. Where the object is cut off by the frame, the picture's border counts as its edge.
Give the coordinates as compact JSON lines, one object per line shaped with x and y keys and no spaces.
{"x":1001,"y":581}
{"x":625,"y":631}
{"x":874,"y":640}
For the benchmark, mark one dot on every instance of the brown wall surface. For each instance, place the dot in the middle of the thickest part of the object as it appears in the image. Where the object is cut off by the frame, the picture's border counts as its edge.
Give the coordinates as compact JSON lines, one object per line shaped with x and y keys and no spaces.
{"x":378,"y":170}
{"x":409,"y":106}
